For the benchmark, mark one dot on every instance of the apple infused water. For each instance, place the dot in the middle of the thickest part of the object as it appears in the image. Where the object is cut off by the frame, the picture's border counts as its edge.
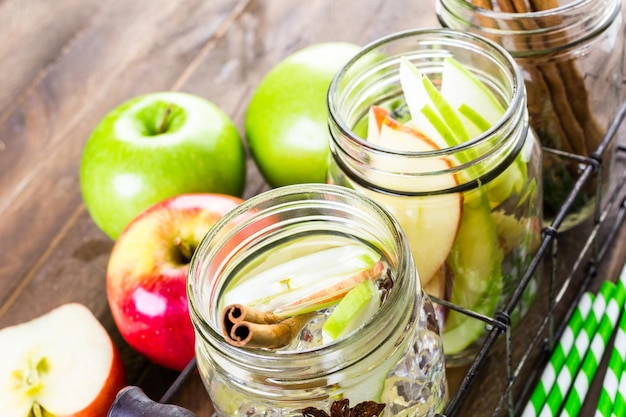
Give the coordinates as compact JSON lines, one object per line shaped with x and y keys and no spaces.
{"x":306,"y":298}
{"x":432,"y":124}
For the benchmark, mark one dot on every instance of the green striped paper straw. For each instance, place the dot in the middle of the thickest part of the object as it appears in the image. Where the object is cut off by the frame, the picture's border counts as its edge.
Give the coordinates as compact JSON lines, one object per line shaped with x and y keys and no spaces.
{"x":619,"y":404}
{"x":619,"y":408}
{"x":594,"y":355}
{"x":614,"y":371}
{"x":564,"y":379}
{"x":562,"y":349}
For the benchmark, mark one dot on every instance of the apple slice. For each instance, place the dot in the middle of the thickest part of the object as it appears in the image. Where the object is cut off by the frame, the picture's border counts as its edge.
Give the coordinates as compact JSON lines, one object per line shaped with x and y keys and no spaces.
{"x":477,"y":106}
{"x":62,"y":363}
{"x":476,"y":264}
{"x":430,"y":112}
{"x":309,"y":282}
{"x":354,"y":310}
{"x":522,"y":234}
{"x":431,"y":222}
{"x":462,"y":110}
{"x":375,"y":119}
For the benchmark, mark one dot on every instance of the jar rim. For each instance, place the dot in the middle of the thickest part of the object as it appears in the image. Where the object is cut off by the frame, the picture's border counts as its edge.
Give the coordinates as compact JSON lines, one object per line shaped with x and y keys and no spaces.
{"x":555,"y":11}
{"x":209,"y":330}
{"x":551,"y":32}
{"x":443,"y":35}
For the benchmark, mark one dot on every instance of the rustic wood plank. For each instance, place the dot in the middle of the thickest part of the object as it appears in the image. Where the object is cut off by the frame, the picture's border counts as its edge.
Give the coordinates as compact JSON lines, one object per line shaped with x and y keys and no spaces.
{"x":147,"y":49}
{"x":35,"y":39}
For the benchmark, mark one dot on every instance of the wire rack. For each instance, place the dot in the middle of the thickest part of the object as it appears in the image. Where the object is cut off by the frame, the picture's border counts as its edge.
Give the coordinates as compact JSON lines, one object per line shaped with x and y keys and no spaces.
{"x":565,"y":286}
{"x":564,"y":290}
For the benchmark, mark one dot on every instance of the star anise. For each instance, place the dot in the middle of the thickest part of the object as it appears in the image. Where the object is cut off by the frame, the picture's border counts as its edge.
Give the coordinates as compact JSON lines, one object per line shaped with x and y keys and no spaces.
{"x":341,"y":408}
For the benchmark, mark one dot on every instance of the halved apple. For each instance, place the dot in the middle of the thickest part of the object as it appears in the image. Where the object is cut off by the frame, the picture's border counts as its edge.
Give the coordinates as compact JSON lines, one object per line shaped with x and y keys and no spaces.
{"x":62,"y":363}
{"x":430,"y":222}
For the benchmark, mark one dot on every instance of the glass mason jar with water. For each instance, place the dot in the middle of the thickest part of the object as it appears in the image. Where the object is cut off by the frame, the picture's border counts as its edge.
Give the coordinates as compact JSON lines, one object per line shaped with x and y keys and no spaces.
{"x":571,"y":53}
{"x":266,"y":286}
{"x":468,"y":198}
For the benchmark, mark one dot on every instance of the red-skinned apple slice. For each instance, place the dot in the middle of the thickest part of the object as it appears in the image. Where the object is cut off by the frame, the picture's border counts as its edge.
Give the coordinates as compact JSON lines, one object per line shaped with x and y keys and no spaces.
{"x":375,"y":120}
{"x":147,"y":272}
{"x":62,"y":363}
{"x":430,"y":223}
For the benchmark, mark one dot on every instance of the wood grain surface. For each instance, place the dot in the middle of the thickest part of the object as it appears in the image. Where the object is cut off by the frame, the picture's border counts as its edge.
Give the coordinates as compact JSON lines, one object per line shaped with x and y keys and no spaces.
{"x":65,"y":64}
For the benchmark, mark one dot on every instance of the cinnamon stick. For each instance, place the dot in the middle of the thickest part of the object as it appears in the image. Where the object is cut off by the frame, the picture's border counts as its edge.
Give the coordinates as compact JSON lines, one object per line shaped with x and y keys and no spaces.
{"x":553,"y":117}
{"x":576,"y":89}
{"x":483,"y":4}
{"x":243,"y":326}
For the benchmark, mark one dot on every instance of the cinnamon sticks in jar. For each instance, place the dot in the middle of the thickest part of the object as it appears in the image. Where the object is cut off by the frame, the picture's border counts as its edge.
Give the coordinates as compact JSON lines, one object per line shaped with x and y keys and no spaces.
{"x":571,"y":54}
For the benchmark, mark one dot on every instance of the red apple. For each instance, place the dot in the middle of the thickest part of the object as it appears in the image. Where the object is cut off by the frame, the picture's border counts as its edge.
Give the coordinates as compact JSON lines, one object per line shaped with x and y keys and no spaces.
{"x":60,"y":364}
{"x":147,"y":272}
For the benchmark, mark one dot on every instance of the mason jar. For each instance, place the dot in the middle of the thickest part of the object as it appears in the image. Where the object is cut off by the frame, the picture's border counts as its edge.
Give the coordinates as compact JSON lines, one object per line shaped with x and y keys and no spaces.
{"x":571,"y":53}
{"x":471,"y":212}
{"x":394,"y":358}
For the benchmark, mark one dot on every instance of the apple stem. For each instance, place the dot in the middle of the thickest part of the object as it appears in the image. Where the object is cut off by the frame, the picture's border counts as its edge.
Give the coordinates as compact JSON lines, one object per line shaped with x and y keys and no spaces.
{"x":183,"y":247}
{"x":163,"y":124}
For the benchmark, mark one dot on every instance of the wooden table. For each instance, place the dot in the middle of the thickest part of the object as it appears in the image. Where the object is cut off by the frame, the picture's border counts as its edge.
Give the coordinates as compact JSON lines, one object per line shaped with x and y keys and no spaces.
{"x":65,"y":64}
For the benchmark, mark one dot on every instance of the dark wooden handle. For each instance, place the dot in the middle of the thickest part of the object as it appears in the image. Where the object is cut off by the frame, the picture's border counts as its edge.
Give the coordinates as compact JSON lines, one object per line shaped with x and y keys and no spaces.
{"x":133,"y":402}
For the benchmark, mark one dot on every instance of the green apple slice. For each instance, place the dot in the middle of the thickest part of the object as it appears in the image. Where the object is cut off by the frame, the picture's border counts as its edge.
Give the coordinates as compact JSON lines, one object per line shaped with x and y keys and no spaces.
{"x":478,"y":107}
{"x":354,"y":310}
{"x":309,"y":282}
{"x":463,"y":109}
{"x":430,"y":112}
{"x":476,"y":264}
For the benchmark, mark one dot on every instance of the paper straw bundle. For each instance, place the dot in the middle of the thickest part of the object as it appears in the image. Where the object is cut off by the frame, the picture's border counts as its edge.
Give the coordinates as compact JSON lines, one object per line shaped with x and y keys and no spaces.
{"x":561,"y":351}
{"x":564,"y":383}
{"x":594,"y":354}
{"x":613,"y":377}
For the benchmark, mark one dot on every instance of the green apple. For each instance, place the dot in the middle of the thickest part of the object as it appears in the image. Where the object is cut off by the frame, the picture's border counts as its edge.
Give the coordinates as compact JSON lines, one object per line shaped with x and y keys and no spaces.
{"x":156,"y":146}
{"x":287,"y":119}
{"x":354,"y":310}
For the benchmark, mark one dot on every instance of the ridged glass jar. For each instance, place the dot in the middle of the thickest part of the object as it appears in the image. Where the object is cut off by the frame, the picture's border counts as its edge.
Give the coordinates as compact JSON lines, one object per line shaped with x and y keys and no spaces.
{"x":396,"y":358}
{"x":473,"y":225}
{"x":572,"y":55}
